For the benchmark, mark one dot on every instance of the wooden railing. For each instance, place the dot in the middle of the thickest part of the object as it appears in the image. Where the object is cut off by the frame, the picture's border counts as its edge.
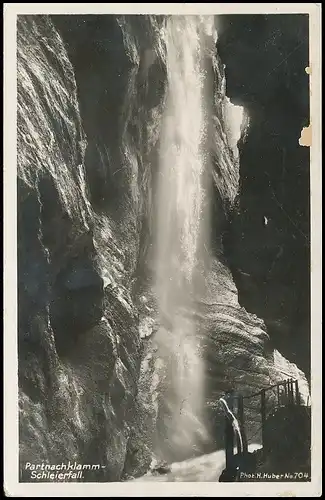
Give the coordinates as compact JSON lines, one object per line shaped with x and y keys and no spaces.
{"x":286,"y":394}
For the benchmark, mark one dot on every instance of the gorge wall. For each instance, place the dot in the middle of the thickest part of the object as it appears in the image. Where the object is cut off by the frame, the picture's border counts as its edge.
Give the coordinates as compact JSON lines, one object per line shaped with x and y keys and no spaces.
{"x":272,"y":270}
{"x":91,"y":92}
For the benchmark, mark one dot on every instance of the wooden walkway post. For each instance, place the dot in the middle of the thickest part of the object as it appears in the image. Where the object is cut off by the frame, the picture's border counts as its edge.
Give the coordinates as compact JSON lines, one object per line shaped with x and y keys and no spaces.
{"x":263,"y":419}
{"x":286,"y":392}
{"x":291,"y":400}
{"x":278,"y":394}
{"x":240,"y":416}
{"x":297,"y":393}
{"x":229,"y":433}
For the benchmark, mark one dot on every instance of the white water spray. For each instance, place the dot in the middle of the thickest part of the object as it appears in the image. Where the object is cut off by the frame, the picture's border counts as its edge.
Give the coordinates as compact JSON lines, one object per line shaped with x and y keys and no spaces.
{"x":235,"y":423}
{"x":182,"y":223}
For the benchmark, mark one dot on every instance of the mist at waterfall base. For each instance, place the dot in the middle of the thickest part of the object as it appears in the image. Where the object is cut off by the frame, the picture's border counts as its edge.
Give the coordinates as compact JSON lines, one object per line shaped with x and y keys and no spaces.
{"x":182,"y":230}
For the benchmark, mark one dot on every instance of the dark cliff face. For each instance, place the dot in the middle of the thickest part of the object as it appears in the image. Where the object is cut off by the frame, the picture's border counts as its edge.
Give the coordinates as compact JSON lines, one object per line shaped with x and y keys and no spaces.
{"x":90,"y":97}
{"x":265,"y":58}
{"x":77,"y":375}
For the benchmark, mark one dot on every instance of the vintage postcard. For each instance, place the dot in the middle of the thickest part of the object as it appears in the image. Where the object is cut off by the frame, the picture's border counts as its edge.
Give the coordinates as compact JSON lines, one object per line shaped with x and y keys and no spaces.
{"x":162,"y":236}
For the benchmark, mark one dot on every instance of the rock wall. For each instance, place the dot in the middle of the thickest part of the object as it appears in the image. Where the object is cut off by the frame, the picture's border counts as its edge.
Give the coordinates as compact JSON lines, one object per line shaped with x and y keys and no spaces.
{"x":272,"y":224}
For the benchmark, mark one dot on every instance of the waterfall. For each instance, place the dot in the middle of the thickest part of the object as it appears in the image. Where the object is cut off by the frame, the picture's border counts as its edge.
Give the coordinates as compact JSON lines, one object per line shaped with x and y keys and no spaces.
{"x":182,"y":222}
{"x":234,"y":422}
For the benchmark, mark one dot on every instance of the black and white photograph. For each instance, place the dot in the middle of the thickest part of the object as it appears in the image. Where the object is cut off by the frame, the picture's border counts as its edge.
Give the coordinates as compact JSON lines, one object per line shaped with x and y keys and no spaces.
{"x":163,"y":271}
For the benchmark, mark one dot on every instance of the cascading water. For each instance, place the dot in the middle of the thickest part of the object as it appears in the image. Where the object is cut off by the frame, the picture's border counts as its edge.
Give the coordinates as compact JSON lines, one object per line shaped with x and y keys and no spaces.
{"x":234,"y":422}
{"x":182,"y":221}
